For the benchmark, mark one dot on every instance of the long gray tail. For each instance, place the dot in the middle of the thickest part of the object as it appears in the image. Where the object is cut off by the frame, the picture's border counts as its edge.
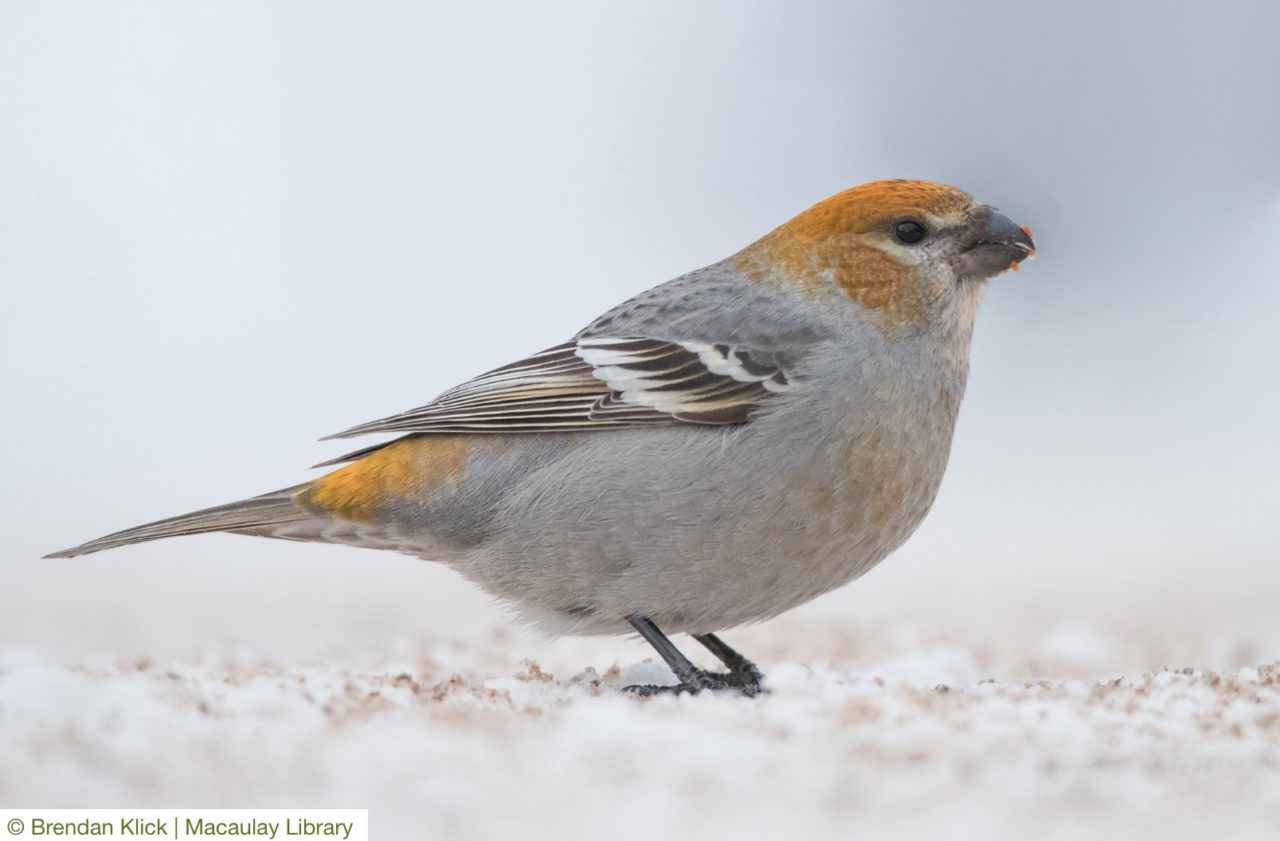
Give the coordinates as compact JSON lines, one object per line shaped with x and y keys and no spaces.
{"x":269,"y":515}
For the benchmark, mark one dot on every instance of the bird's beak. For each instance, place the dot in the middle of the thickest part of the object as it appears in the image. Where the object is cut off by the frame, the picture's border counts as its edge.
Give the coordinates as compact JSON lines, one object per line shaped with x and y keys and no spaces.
{"x":995,"y":245}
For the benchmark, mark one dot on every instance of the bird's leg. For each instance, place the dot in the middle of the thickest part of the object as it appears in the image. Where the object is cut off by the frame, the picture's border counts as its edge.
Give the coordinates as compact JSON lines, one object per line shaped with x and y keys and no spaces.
{"x":692,"y":679}
{"x":740,"y":668}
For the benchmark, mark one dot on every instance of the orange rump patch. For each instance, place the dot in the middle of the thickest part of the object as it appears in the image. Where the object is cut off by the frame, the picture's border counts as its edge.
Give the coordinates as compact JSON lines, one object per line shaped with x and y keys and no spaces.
{"x":412,"y":467}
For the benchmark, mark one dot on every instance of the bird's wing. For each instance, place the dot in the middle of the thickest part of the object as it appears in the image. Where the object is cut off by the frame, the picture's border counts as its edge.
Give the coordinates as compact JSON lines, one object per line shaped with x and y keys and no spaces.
{"x":603,"y":382}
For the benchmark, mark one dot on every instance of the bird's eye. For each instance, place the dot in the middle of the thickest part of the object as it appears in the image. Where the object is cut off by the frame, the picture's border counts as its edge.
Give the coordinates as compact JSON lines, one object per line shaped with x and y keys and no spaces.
{"x":909,"y":231}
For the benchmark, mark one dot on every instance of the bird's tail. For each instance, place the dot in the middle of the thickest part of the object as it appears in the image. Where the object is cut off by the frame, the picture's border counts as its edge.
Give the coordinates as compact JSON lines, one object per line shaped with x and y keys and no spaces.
{"x":275,"y":514}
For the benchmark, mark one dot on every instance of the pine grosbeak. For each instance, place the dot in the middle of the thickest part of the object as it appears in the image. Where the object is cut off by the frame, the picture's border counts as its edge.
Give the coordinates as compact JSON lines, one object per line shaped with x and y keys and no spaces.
{"x":712,"y":452}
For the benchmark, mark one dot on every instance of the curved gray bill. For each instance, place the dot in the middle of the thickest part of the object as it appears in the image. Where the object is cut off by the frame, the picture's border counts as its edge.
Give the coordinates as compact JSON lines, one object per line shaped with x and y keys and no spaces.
{"x":997,"y":245}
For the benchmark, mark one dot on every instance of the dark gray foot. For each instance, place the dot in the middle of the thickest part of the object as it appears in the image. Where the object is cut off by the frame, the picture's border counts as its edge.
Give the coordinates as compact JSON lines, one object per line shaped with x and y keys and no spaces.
{"x":745,"y":685}
{"x":743,"y":677}
{"x":743,"y":670}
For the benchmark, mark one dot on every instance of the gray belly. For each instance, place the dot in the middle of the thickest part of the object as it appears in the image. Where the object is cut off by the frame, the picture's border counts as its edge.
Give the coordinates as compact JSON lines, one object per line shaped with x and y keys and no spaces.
{"x":703,"y":529}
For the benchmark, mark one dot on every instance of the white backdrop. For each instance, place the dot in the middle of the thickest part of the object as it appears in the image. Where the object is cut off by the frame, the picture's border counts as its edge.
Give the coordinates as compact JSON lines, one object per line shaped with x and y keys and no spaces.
{"x":228,"y":229}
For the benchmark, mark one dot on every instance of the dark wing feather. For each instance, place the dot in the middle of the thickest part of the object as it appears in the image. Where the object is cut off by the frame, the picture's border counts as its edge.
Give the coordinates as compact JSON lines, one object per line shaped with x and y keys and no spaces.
{"x":599,"y":383}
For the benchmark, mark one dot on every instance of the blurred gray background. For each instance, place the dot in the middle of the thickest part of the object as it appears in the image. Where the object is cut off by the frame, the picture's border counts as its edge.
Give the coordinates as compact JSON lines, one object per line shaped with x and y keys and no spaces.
{"x":227,"y":229}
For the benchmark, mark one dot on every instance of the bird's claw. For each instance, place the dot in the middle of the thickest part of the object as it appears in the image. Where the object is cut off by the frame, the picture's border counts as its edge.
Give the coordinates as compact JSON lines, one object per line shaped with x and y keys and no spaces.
{"x":745,"y":682}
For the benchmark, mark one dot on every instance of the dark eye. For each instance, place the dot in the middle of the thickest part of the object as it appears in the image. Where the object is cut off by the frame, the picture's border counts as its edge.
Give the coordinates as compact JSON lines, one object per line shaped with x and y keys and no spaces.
{"x":909,"y":231}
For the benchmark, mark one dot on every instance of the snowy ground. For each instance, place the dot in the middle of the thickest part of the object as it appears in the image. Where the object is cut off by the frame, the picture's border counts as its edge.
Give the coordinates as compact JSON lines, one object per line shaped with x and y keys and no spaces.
{"x":226,"y":672}
{"x":883,"y":731}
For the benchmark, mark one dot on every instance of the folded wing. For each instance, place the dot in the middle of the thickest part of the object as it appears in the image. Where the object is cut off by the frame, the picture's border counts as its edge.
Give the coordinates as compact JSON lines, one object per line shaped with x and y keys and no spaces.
{"x":602,"y":382}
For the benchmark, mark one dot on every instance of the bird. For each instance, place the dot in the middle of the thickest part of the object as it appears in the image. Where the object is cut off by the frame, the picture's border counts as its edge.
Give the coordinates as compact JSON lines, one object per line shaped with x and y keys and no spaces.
{"x":710,"y":453}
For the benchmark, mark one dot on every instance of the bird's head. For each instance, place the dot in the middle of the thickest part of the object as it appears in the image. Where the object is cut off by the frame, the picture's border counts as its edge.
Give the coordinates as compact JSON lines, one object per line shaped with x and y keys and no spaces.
{"x":909,"y":253}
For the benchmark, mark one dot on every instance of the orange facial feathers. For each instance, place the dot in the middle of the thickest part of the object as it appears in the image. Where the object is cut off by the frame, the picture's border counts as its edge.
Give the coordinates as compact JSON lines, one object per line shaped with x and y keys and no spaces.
{"x":830,"y":241}
{"x":864,"y":208}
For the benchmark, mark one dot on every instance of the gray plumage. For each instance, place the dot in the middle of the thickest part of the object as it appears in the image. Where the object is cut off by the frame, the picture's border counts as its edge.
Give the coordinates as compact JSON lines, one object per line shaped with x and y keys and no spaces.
{"x":712,"y":452}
